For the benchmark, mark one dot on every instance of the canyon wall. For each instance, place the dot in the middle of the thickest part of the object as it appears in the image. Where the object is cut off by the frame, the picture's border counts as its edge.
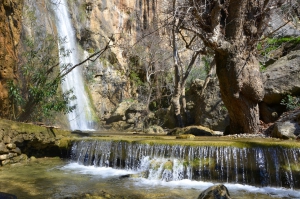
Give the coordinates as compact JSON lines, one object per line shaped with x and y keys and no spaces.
{"x":10,"y":26}
{"x":124,"y":21}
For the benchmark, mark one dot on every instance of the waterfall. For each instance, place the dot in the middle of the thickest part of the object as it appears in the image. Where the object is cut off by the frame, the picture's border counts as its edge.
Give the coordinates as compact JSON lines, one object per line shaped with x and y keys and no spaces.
{"x":257,"y":166}
{"x":81,"y":118}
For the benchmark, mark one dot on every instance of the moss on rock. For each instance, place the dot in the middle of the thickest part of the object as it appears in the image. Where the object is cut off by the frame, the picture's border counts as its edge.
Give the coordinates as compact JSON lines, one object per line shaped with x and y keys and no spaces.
{"x":194,"y":130}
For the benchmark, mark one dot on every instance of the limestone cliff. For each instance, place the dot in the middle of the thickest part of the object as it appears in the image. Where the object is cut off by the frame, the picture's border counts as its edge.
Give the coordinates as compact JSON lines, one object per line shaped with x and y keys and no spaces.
{"x":95,"y":22}
{"x":10,"y":26}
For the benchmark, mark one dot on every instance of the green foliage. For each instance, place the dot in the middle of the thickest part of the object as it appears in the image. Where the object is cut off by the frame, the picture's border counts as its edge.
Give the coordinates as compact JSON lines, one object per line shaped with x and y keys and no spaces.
{"x":128,"y":100}
{"x":291,"y":102}
{"x":199,"y":72}
{"x":262,"y":67}
{"x":223,"y":108}
{"x":134,"y":77}
{"x":206,"y":61}
{"x":273,"y":43}
{"x":39,"y":97}
{"x":15,"y":93}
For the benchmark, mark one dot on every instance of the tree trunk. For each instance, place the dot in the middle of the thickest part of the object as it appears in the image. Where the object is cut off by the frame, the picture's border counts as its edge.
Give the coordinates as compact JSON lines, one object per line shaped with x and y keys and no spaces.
{"x":176,"y":96}
{"x":27,"y":112}
{"x":188,"y":119}
{"x":241,"y":89}
{"x":149,"y":96}
{"x":177,"y":78}
{"x":210,"y":74}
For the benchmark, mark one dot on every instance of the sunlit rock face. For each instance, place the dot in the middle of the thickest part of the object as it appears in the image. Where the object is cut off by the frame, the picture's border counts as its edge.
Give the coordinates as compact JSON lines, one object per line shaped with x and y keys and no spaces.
{"x":94,"y":23}
{"x":97,"y":21}
{"x":10,"y":26}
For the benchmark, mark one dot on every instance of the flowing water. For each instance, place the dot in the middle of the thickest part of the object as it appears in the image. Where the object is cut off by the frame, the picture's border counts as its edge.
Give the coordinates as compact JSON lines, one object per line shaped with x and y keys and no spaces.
{"x":147,"y":171}
{"x":55,"y":178}
{"x":238,"y":167}
{"x":81,"y":118}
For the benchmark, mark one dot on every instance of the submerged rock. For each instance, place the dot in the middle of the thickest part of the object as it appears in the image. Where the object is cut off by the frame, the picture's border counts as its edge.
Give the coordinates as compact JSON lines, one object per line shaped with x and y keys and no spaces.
{"x":3,"y":148}
{"x":7,"y":196}
{"x":215,"y":192}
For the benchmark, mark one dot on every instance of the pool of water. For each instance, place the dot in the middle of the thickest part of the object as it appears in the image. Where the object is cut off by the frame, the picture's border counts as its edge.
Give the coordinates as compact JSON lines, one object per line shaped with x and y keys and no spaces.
{"x":56,"y":178}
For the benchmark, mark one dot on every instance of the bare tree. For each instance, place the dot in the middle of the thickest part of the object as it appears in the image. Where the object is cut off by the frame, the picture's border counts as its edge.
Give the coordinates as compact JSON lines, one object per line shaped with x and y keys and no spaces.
{"x":232,"y":29}
{"x":152,"y":61}
{"x":186,"y":49}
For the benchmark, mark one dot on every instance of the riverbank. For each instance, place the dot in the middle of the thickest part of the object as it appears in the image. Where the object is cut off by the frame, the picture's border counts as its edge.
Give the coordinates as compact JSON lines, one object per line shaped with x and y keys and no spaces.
{"x":20,"y":141}
{"x":231,"y":140}
{"x":30,"y":167}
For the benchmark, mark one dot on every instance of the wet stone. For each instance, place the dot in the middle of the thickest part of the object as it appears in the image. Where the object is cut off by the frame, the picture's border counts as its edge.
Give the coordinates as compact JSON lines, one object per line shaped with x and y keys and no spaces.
{"x":5,"y":162}
{"x":4,"y":157}
{"x":6,"y":139}
{"x":7,"y":196}
{"x":20,"y":158}
{"x":16,"y":150}
{"x":19,"y":138}
{"x":11,"y":146}
{"x":3,"y":149}
{"x":11,"y":155}
{"x":215,"y":192}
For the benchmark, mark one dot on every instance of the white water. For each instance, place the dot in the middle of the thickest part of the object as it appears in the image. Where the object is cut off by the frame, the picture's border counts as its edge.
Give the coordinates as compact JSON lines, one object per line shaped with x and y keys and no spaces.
{"x":274,"y":166}
{"x":81,"y":118}
{"x":246,"y":172}
{"x":185,"y":184}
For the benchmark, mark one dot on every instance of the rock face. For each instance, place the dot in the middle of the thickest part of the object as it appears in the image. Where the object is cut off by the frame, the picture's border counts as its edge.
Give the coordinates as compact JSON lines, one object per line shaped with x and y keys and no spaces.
{"x":280,"y":79}
{"x":209,"y":110}
{"x":20,"y":140}
{"x":155,"y":130}
{"x":287,"y":126}
{"x":277,"y":19}
{"x":129,"y":115}
{"x":95,"y":22}
{"x":215,"y":192}
{"x":10,"y":26}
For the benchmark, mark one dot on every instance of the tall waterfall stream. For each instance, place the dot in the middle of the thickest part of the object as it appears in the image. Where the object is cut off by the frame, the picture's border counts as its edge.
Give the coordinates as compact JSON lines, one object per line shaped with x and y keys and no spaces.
{"x":81,"y":118}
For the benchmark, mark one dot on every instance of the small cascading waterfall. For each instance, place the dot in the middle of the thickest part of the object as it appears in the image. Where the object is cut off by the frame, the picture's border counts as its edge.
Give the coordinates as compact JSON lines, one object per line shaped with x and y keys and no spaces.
{"x":81,"y":118}
{"x":275,"y":166}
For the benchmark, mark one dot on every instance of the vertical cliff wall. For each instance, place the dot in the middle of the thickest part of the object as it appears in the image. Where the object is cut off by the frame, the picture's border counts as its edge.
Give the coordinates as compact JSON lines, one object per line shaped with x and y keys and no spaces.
{"x":10,"y":30}
{"x":96,"y":21}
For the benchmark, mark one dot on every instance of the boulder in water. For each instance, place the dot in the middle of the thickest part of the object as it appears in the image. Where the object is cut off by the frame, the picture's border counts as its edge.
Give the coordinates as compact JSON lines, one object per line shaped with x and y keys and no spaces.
{"x":215,"y":192}
{"x":7,"y":196}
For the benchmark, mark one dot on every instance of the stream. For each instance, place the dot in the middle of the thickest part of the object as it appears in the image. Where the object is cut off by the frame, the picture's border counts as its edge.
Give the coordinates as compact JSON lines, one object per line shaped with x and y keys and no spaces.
{"x":82,"y":177}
